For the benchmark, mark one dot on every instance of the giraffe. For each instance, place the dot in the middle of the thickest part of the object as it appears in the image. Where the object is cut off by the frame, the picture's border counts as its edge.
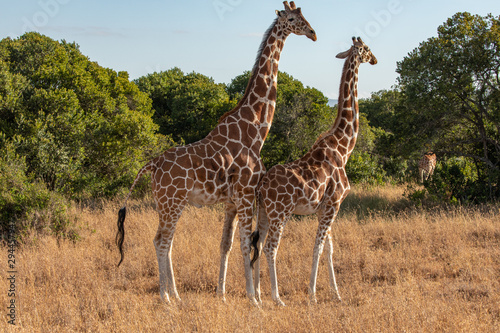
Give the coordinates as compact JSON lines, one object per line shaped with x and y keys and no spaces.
{"x":315,"y":183}
{"x":225,"y":166}
{"x":426,"y":166}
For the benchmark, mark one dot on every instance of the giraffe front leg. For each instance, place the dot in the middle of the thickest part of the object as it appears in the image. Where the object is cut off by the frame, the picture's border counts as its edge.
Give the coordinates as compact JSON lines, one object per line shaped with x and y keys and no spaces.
{"x":245,"y":220}
{"x":225,"y":247}
{"x":333,"y":282}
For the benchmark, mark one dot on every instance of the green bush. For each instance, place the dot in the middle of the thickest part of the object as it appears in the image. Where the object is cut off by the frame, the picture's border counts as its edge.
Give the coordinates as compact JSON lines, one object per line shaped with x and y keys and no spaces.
{"x":83,"y":130}
{"x":363,"y":168}
{"x":27,"y":204}
{"x":454,"y":182}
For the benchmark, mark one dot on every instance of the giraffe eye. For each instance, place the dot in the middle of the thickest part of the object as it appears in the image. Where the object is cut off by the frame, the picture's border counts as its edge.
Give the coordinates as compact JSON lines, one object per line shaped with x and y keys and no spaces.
{"x":290,"y":19}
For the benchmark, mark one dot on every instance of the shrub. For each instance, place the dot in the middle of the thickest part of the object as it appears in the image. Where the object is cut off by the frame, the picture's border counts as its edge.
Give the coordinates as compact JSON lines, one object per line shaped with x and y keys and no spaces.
{"x":363,"y":168}
{"x":453,"y":182}
{"x":28,"y":204}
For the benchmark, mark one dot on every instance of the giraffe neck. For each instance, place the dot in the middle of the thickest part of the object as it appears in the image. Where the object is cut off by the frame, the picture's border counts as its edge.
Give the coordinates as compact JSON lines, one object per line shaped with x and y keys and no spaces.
{"x":259,"y":101}
{"x":344,"y":131}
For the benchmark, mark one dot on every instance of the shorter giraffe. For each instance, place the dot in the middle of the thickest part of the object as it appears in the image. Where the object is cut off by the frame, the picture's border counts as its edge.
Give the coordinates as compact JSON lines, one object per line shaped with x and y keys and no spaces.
{"x":426,"y":166}
{"x":315,"y":183}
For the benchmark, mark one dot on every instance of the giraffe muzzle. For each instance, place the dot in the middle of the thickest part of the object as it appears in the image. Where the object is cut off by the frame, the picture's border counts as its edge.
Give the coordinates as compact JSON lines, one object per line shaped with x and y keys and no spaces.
{"x":311,"y":34}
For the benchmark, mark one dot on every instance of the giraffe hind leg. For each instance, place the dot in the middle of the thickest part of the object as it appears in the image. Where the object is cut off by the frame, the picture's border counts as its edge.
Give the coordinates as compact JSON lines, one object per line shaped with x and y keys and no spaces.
{"x":270,"y":249}
{"x":226,"y":244}
{"x":163,"y":245}
{"x":325,"y":219}
{"x":257,"y":239}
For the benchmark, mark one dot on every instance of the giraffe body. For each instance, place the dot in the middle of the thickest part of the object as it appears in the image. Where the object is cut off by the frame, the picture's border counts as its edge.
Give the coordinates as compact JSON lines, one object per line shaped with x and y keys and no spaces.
{"x":316,"y":183}
{"x":426,"y":166}
{"x":225,"y":166}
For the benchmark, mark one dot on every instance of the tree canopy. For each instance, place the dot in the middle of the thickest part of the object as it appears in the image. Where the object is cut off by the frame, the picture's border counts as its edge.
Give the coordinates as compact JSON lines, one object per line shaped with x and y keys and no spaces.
{"x":186,"y":106}
{"x":82,"y":128}
{"x":450,"y":86}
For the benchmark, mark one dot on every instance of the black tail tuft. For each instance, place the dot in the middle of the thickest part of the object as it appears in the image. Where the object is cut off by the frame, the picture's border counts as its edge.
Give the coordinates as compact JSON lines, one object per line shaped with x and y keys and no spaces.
{"x":254,"y":239}
{"x":120,"y":234}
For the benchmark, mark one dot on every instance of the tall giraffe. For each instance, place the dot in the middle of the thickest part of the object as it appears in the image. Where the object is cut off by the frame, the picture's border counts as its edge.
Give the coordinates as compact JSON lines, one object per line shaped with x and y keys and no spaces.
{"x":225,"y":166}
{"x":426,"y":166}
{"x":315,"y":183}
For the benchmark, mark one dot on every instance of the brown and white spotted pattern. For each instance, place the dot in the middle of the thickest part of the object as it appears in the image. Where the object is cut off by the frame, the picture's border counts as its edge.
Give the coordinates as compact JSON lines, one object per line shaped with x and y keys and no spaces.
{"x":225,"y":166}
{"x":316,"y":183}
{"x":426,"y":166}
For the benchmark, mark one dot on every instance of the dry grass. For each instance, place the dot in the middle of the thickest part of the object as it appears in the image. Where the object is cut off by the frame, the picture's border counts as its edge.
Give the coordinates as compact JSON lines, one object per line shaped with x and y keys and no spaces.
{"x":415,"y":271}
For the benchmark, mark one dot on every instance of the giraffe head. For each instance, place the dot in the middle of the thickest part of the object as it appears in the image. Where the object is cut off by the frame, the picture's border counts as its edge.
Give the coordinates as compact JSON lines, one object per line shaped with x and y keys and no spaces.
{"x":294,"y":22}
{"x":360,"y":50}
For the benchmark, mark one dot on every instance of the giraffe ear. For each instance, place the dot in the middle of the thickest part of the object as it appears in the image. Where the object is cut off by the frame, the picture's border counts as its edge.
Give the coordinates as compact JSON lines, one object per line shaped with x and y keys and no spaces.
{"x":280,"y":13}
{"x":343,"y":55}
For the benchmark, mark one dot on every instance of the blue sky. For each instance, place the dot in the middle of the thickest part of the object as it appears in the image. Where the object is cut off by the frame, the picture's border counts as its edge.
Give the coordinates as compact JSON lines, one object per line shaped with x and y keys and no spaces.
{"x":220,"y":38}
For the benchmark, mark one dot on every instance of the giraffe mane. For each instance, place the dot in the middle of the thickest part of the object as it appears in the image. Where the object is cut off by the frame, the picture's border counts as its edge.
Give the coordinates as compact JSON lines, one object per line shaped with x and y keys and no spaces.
{"x":255,"y":71}
{"x":341,"y":100}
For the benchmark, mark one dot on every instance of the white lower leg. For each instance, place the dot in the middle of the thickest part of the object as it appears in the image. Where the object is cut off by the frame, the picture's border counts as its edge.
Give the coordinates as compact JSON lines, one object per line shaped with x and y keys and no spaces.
{"x":333,"y":282}
{"x":318,"y":249}
{"x":256,"y":271}
{"x":271,"y":260}
{"x":225,"y":248}
{"x":172,"y":290}
{"x":221,"y":288}
{"x":163,"y":276}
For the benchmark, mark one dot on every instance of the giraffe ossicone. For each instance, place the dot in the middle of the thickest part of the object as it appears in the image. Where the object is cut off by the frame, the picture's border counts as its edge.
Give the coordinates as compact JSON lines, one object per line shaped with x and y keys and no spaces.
{"x":225,"y":166}
{"x":316,"y":183}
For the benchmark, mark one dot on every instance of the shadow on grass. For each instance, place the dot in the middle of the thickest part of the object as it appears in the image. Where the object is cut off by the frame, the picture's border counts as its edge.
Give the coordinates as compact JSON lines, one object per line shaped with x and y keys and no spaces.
{"x":366,"y":202}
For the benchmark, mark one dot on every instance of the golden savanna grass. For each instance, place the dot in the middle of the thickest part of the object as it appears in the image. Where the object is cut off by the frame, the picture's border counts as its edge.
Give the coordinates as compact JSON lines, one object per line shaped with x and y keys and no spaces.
{"x":397,"y":269}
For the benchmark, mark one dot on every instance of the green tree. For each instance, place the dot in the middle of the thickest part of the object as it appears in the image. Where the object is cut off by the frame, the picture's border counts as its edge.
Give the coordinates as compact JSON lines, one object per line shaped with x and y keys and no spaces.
{"x":450,"y":86}
{"x":26,"y":204}
{"x":380,"y":109}
{"x":83,"y":129}
{"x":187,"y":106}
{"x":364,"y":165}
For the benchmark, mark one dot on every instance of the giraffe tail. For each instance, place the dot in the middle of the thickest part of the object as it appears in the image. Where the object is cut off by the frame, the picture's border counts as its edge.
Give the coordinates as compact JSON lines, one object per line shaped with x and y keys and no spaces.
{"x":120,"y":234}
{"x":254,"y":239}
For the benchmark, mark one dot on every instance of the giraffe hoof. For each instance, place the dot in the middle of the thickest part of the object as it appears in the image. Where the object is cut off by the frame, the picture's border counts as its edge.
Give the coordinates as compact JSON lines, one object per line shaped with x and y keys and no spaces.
{"x":279,"y":303}
{"x":165,"y":298}
{"x":221,"y":295}
{"x":254,"y":303}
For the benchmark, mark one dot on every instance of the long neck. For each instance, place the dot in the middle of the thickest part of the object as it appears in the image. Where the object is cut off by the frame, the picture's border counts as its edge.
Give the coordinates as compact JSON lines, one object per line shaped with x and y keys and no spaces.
{"x":259,"y":101}
{"x":345,"y":128}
